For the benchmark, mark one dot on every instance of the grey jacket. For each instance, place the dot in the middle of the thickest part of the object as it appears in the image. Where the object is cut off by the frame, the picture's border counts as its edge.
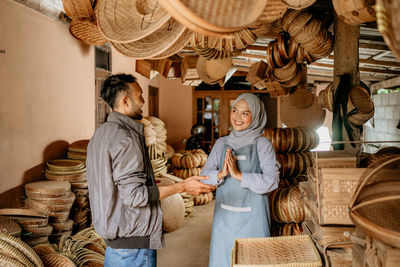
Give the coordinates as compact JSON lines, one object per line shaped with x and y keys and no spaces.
{"x":124,"y":198}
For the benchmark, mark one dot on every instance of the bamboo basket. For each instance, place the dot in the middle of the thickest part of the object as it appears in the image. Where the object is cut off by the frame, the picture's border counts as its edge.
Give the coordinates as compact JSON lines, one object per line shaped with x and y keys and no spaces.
{"x":374,"y":207}
{"x":285,"y":251}
{"x":388,"y":23}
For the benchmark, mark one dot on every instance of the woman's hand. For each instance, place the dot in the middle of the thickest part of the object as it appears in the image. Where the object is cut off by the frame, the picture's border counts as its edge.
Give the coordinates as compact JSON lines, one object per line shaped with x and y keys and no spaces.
{"x":224,"y":171}
{"x":232,"y":166}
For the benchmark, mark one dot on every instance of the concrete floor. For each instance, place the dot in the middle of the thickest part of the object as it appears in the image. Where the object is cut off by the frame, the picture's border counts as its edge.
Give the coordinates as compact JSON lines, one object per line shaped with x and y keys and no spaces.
{"x":189,"y":245}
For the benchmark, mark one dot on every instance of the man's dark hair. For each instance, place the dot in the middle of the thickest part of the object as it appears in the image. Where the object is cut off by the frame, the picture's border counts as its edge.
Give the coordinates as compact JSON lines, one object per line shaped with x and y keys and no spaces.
{"x":115,"y":84}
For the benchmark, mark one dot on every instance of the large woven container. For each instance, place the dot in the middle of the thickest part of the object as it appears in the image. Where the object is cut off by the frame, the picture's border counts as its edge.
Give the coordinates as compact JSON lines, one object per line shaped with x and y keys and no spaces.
{"x":374,"y":207}
{"x":173,"y":209}
{"x":355,"y":12}
{"x":285,"y":251}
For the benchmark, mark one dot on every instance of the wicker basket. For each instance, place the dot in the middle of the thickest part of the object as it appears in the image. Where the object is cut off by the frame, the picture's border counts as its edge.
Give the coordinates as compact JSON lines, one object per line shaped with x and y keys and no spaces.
{"x":386,"y":17}
{"x":374,"y":207}
{"x":361,"y":101}
{"x":285,"y":251}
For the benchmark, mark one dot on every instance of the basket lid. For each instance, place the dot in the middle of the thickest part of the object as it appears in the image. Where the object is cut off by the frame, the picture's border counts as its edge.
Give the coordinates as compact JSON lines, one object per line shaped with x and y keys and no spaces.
{"x":86,"y":31}
{"x":374,"y":205}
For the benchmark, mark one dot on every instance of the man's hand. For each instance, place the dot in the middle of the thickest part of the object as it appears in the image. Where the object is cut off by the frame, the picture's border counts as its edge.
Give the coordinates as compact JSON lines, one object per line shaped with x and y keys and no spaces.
{"x":192,"y":185}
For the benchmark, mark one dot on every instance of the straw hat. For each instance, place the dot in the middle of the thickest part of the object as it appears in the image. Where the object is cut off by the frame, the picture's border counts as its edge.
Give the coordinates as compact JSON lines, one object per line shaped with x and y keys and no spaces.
{"x":211,"y":71}
{"x":153,"y":44}
{"x":126,"y":21}
{"x":215,"y":17}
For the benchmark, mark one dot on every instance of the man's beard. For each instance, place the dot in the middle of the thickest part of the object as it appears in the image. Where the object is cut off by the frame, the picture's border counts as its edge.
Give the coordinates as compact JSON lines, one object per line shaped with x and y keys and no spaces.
{"x":137,"y":116}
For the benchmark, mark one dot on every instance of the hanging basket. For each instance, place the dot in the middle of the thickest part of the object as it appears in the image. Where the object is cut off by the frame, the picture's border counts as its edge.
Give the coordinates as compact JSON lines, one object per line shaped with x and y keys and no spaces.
{"x":374,"y":207}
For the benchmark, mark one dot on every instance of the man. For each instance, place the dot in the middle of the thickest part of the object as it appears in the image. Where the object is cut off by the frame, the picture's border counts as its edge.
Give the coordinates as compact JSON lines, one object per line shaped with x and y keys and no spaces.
{"x":124,"y":197}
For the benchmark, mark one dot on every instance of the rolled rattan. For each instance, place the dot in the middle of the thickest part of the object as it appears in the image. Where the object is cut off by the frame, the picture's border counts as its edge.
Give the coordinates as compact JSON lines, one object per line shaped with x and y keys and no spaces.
{"x":275,"y":251}
{"x":215,"y":17}
{"x":173,"y":210}
{"x":311,"y":30}
{"x":286,"y":72}
{"x":153,"y":44}
{"x":299,"y":23}
{"x":86,"y":31}
{"x":374,"y":205}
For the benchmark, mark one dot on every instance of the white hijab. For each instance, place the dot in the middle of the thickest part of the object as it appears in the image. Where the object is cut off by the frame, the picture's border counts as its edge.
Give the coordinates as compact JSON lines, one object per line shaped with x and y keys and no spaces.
{"x":238,"y":139}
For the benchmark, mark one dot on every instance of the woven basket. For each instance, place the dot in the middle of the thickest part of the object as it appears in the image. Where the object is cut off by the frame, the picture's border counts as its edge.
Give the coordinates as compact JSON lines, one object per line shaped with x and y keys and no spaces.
{"x":298,"y":24}
{"x":311,"y":30}
{"x":325,"y":97}
{"x":288,"y":18}
{"x":360,"y":99}
{"x":211,"y":17}
{"x":374,"y":207}
{"x":275,"y":251}
{"x":388,"y":23}
{"x":64,"y":165}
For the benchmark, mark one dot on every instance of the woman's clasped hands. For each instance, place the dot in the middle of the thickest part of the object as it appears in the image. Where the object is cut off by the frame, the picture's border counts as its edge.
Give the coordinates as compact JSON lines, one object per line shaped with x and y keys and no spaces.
{"x":229,"y":167}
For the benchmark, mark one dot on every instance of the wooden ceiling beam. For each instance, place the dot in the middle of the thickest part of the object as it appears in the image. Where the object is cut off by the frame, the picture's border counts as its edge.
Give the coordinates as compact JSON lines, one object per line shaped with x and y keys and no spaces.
{"x":363,"y":69}
{"x":390,"y":83}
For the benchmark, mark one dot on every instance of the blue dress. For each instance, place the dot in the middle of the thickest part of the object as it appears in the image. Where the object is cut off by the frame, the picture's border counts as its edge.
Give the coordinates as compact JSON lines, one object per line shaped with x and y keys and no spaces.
{"x":239,"y":212}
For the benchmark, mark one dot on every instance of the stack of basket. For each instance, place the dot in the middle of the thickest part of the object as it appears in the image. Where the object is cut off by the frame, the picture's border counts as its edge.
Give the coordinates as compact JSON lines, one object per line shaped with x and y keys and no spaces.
{"x":188,"y":163}
{"x":331,"y":182}
{"x":73,"y":171}
{"x":292,"y":147}
{"x":56,"y":199}
{"x":10,"y":226}
{"x":77,"y":150}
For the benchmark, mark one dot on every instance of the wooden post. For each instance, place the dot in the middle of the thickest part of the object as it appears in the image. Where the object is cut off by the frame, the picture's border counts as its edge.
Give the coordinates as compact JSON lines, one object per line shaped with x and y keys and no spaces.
{"x":346,"y":60}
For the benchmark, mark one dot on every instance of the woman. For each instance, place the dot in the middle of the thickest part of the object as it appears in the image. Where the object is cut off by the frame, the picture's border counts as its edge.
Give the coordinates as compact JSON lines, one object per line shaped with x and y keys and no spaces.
{"x":244,"y":166}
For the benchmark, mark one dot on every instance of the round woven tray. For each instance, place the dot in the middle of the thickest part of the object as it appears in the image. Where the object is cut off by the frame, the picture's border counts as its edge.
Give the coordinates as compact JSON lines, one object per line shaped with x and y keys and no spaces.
{"x":38,"y":205}
{"x":78,"y":8}
{"x":298,"y":4}
{"x":86,"y":31}
{"x":79,"y":177}
{"x":44,"y":230}
{"x":173,"y":210}
{"x":58,"y":260}
{"x":63,"y":226}
{"x":46,"y":189}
